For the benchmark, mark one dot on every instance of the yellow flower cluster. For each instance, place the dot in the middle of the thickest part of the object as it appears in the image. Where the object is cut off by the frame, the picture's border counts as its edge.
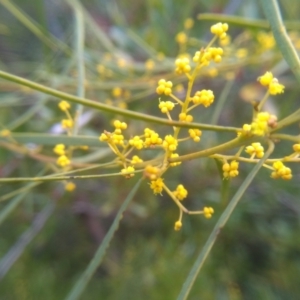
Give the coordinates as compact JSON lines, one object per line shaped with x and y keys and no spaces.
{"x":151,"y":172}
{"x":204,"y":57}
{"x":136,"y":142}
{"x":166,"y":106}
{"x":128,"y":172}
{"x":281,"y":171}
{"x":170,"y":143}
{"x":256,"y":149}
{"x":64,"y":105}
{"x":260,"y":125}
{"x":70,"y":186}
{"x":178,"y":225}
{"x":195,"y":134}
{"x":157,"y":185}
{"x":208,"y":212}
{"x":183,"y":117}
{"x":135,"y":160}
{"x":182,"y":65}
{"x":180,"y":193}
{"x":63,"y":160}
{"x":274,"y":87}
{"x":151,"y":138}
{"x":296,"y":148}
{"x":204,"y":97}
{"x":164,"y":87}
{"x":219,"y":29}
{"x":230,"y":170}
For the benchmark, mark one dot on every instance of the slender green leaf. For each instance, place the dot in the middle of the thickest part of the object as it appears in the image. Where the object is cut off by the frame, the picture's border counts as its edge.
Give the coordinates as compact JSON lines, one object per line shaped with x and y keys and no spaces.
{"x":84,"y":279}
{"x":188,"y":284}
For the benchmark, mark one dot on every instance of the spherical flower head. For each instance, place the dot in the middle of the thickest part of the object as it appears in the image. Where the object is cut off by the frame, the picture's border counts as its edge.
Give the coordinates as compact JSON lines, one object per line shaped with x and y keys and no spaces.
{"x":195,"y":134}
{"x":59,"y":149}
{"x":70,"y":186}
{"x":151,"y":172}
{"x":166,"y":106}
{"x":117,"y":92}
{"x":128,"y":172}
{"x":230,"y":170}
{"x":151,"y":138}
{"x":208,"y":212}
{"x":256,"y":149}
{"x":64,"y":105}
{"x":275,"y":87}
{"x":67,"y":123}
{"x":260,"y":126}
{"x":105,"y":136}
{"x":178,"y":225}
{"x":135,"y":160}
{"x":215,"y":54}
{"x":63,"y":161}
{"x":149,"y":64}
{"x":170,"y":143}
{"x":204,"y":97}
{"x":117,"y":139}
{"x":296,"y":148}
{"x":281,"y":171}
{"x":183,"y":117}
{"x":181,"y":38}
{"x":136,"y":142}
{"x":174,"y":164}
{"x":120,"y":125}
{"x":188,"y":23}
{"x":219,"y":29}
{"x":164,"y":87}
{"x":5,"y":133}
{"x":180,"y":193}
{"x":182,"y":65}
{"x":157,"y":185}
{"x":266,"y":79}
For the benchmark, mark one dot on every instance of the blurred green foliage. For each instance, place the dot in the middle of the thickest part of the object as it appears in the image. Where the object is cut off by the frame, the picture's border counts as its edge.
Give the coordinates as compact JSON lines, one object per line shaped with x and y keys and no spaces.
{"x":256,"y":256}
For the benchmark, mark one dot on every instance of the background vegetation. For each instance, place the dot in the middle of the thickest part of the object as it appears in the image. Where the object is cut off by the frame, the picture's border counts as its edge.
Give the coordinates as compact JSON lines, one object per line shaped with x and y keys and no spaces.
{"x":48,"y":236}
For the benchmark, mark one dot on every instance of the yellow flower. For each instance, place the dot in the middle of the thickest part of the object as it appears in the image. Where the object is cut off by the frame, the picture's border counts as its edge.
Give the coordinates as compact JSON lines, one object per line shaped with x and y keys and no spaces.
{"x":266,"y":79}
{"x":157,"y":185}
{"x":208,"y":211}
{"x":180,"y":193}
{"x":166,"y":106}
{"x":204,"y":97}
{"x":64,"y":105}
{"x":170,"y":143}
{"x":256,"y":149}
{"x":63,"y":161}
{"x":219,"y":29}
{"x":230,"y":170}
{"x":281,"y":171}
{"x":128,"y":172}
{"x":67,"y":123}
{"x":70,"y":186}
{"x":59,"y":149}
{"x":195,"y":134}
{"x":182,"y":65}
{"x":164,"y":87}
{"x":178,"y":225}
{"x":136,"y":142}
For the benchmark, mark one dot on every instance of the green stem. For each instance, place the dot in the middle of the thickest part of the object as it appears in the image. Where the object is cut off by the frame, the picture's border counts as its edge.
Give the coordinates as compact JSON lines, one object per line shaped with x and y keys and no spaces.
{"x":84,"y":279}
{"x":80,"y":65}
{"x":207,"y":152}
{"x":218,"y":227}
{"x":108,"y":108}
